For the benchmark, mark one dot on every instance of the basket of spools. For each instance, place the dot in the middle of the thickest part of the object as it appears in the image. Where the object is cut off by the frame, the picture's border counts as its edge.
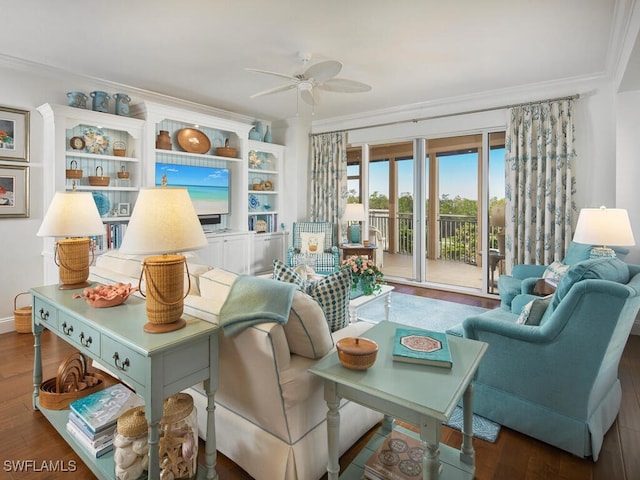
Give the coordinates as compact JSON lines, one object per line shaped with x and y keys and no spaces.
{"x":22,"y":315}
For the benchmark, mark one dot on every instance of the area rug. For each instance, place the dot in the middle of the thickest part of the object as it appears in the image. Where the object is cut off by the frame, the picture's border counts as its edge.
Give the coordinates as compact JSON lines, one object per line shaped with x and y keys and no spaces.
{"x":420,"y":312}
{"x":483,"y":428}
{"x":438,"y":315}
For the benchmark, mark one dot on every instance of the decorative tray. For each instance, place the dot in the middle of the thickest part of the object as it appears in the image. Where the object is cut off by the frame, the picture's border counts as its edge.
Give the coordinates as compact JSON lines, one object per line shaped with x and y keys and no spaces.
{"x":193,"y":141}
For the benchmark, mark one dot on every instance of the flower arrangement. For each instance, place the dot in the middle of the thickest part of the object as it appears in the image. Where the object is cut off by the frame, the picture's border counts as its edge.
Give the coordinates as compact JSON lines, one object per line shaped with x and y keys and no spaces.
{"x":365,"y":274}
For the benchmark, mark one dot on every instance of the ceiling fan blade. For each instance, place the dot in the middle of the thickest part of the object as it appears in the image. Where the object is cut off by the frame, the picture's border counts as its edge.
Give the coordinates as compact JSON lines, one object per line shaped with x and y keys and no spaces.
{"x":344,"y":85}
{"x":276,"y":74}
{"x":323,"y":71}
{"x":274,"y":90}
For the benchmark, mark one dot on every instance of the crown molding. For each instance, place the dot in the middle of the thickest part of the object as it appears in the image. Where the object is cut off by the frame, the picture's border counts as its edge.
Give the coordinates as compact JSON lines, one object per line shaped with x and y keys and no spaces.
{"x":493,"y":99}
{"x":49,"y":71}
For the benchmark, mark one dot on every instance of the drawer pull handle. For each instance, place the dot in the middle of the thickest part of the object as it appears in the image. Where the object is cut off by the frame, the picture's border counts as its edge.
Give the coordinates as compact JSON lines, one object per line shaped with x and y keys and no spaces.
{"x":120,"y":365}
{"x":67,"y":330}
{"x":87,"y":342}
{"x":44,"y":315}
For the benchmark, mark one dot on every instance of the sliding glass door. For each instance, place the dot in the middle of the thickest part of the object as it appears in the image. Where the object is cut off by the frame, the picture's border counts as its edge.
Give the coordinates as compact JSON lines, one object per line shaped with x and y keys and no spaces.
{"x":430,"y":201}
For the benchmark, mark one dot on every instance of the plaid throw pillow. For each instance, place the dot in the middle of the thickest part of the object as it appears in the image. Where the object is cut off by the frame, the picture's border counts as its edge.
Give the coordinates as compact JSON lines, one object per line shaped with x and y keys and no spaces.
{"x":331,"y":292}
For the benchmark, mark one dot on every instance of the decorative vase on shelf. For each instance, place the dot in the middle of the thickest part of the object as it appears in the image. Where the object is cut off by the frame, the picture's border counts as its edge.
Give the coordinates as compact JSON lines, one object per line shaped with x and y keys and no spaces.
{"x":163,"y":142}
{"x":259,"y":130}
{"x":77,"y":99}
{"x":253,"y":134}
{"x":267,"y":135}
{"x":122,"y":103}
{"x":100,"y":101}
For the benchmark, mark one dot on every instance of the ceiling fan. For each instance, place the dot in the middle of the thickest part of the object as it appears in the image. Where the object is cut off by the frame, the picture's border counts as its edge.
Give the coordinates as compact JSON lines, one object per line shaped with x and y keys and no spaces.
{"x":320,"y":76}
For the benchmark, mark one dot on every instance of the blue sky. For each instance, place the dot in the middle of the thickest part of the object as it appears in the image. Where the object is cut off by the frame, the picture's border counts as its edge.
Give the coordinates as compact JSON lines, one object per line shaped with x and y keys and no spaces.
{"x":458,"y":175}
{"x":192,"y":175}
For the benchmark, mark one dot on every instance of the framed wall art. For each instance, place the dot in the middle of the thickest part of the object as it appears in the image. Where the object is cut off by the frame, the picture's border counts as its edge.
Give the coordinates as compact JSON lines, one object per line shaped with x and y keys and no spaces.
{"x":14,"y":134}
{"x":14,"y":191}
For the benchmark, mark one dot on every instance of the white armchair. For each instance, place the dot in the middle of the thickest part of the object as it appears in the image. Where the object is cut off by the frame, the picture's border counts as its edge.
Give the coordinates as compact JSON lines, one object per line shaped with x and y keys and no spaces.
{"x":376,"y":238}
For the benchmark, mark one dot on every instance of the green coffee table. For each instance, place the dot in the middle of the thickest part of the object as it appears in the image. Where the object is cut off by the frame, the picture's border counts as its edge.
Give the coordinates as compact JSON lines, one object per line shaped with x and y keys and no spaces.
{"x":419,"y":395}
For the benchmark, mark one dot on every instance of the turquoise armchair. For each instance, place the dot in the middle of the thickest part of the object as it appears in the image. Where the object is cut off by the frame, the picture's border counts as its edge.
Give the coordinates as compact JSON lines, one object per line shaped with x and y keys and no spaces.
{"x":558,"y":381}
{"x":524,"y":277}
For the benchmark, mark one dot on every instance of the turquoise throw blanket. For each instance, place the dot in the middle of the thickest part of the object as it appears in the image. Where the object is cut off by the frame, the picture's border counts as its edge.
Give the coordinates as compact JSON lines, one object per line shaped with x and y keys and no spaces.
{"x":254,"y":300}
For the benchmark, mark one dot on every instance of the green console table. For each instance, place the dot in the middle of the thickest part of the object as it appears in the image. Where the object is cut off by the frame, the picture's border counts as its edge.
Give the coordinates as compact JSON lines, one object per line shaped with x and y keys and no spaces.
{"x":155,"y":365}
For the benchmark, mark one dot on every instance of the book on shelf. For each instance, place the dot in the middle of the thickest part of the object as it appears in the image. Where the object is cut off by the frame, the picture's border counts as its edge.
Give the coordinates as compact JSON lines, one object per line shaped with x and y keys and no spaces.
{"x":399,"y":457}
{"x":96,"y":451}
{"x":100,"y":410}
{"x":422,"y":346}
{"x":95,"y":438}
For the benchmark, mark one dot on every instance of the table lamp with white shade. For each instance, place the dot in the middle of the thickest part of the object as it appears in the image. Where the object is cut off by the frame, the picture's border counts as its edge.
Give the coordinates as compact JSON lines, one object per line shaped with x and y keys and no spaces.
{"x":353,"y":215}
{"x":163,"y":224}
{"x":604,"y":226}
{"x":72,"y":215}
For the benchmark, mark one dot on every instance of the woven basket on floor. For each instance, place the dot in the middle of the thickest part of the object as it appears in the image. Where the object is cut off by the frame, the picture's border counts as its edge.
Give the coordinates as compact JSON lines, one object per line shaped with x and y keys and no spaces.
{"x":164,"y":277}
{"x":22,"y":316}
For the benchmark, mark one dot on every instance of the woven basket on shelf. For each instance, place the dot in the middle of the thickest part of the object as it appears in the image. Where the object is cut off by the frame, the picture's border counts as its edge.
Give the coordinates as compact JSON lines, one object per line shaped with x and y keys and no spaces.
{"x":123,"y":172}
{"x":73,"y":172}
{"x":22,"y":315}
{"x":99,"y":180}
{"x":119,"y":149}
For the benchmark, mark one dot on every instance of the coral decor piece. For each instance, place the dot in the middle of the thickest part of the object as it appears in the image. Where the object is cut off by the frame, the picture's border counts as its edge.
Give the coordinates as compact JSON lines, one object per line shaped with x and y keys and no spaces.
{"x":365,"y":274}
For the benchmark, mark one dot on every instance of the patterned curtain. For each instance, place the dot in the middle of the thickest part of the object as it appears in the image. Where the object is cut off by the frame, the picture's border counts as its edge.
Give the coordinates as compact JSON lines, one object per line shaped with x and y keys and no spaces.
{"x":329,"y":179}
{"x":540,"y":183}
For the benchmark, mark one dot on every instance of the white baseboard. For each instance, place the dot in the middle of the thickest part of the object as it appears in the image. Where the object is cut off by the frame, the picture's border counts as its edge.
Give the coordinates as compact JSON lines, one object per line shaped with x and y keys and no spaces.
{"x":7,"y":325}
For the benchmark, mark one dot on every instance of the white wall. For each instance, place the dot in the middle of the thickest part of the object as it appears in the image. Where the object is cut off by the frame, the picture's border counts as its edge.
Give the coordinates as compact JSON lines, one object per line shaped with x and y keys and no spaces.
{"x":628,"y":163}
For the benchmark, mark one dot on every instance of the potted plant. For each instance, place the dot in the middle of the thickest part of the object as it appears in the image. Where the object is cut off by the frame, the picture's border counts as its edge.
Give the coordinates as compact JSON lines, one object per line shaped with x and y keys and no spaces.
{"x":367,"y":277}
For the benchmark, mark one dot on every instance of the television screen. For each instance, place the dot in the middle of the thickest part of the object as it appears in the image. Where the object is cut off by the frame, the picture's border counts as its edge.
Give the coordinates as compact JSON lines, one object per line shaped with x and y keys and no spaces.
{"x":208,"y":187}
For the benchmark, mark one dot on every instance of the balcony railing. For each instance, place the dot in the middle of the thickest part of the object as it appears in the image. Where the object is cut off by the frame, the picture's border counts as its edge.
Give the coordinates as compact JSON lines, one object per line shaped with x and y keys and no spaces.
{"x":457,"y":235}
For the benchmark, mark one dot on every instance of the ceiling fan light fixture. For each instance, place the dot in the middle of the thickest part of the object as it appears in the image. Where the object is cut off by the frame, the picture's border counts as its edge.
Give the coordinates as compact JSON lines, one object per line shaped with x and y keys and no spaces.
{"x":319,"y":76}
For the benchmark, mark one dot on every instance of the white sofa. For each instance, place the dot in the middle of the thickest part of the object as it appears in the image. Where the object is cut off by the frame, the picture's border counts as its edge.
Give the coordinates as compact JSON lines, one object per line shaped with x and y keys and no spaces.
{"x":270,"y":411}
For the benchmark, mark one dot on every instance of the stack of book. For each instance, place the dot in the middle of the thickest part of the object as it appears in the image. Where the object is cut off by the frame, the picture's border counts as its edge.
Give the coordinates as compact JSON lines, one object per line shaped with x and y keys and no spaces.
{"x":92,"y":419}
{"x":399,"y":457}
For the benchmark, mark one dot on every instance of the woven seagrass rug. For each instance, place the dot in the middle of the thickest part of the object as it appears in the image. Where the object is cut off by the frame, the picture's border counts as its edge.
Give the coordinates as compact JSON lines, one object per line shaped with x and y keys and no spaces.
{"x":437,"y":315}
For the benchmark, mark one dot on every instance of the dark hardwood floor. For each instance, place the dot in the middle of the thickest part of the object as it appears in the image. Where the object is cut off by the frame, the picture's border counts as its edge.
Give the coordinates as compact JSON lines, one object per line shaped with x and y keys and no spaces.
{"x":25,"y":435}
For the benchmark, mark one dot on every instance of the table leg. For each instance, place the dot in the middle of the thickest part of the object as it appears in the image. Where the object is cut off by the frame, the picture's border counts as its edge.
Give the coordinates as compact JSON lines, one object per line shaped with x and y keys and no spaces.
{"x":387,"y":306}
{"x":467,"y":454}
{"x":37,"y":364}
{"x":153,"y":412}
{"x":210,"y":442}
{"x":353,"y":314}
{"x":430,"y":431}
{"x":333,"y":430}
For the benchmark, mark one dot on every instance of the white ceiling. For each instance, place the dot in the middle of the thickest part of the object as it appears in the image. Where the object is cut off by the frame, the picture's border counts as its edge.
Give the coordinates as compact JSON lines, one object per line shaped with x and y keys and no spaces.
{"x":410,"y":51}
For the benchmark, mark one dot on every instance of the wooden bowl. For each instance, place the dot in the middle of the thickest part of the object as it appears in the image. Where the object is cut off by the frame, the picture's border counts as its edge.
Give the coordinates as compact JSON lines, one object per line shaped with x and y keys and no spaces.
{"x":357,"y":353}
{"x":226,"y":152}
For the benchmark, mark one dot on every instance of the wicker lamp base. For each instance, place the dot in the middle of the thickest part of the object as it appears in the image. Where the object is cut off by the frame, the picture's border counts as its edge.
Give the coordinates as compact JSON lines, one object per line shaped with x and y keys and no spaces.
{"x":73,"y":260}
{"x":164,"y":275}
